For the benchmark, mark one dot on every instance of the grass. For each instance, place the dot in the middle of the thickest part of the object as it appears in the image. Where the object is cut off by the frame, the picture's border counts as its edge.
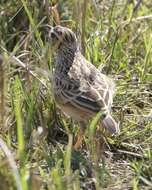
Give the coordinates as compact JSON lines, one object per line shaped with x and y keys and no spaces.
{"x":35,"y":138}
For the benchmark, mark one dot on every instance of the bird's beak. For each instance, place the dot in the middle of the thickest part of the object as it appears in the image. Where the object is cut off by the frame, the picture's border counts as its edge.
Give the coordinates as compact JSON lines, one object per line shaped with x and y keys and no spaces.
{"x":49,"y":31}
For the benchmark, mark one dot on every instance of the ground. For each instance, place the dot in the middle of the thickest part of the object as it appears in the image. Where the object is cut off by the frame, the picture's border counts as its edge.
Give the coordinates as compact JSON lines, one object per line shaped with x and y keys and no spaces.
{"x":36,"y":139}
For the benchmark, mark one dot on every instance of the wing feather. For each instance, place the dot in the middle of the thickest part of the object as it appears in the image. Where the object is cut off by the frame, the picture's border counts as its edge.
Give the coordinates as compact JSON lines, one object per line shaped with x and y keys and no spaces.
{"x":86,"y":88}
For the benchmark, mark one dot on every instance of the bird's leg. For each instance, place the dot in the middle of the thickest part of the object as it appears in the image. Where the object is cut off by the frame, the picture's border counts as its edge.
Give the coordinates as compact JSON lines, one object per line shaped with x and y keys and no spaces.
{"x":80,"y":136}
{"x":99,"y":143}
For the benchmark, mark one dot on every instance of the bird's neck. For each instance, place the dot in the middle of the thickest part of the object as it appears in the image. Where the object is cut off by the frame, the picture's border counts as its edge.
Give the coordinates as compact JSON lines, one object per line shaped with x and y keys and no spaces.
{"x":64,"y":58}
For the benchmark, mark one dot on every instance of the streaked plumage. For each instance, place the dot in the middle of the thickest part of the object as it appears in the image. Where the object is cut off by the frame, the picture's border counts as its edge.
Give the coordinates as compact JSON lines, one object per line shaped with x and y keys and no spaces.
{"x":79,"y":88}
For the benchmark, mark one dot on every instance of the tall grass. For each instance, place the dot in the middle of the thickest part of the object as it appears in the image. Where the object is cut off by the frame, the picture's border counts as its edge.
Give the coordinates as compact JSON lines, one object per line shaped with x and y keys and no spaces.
{"x":36,"y":140}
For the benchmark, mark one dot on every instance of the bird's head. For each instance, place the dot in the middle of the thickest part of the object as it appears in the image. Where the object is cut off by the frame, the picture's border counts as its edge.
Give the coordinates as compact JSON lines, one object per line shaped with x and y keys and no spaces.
{"x":62,"y":37}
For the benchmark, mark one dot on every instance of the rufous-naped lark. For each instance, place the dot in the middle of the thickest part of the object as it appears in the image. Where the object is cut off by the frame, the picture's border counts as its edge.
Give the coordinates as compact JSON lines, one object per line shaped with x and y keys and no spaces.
{"x":79,"y":88}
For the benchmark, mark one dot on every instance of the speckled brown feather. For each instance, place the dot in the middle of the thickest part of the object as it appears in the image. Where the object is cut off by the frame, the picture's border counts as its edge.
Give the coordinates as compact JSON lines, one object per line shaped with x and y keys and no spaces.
{"x":79,"y":88}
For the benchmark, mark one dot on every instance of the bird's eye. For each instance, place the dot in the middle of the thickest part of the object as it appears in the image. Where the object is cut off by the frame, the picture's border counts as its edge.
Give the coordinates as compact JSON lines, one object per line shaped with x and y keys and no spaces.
{"x":53,"y":35}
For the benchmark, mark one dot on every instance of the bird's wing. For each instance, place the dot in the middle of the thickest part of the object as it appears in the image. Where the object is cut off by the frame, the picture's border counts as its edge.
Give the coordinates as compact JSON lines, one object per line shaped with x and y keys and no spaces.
{"x":86,"y":88}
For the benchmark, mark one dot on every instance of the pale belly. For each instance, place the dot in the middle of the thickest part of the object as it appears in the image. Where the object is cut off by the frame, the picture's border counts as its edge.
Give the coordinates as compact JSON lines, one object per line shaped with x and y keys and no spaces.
{"x":72,"y":111}
{"x":75,"y":113}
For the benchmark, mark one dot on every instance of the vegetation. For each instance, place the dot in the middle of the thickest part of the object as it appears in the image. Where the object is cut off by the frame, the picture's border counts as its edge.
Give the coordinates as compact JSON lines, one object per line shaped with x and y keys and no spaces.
{"x":35,"y":138}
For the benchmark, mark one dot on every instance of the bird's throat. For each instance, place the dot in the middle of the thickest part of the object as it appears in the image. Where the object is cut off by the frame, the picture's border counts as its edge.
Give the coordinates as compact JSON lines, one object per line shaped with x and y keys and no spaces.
{"x":64,"y":59}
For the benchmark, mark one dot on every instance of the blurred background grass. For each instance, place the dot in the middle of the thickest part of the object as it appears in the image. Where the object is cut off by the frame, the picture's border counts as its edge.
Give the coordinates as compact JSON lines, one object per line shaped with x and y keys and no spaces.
{"x":35,"y":138}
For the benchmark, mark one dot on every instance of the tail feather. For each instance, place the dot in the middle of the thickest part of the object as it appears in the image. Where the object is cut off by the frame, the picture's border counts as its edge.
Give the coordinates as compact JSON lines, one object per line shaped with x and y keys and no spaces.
{"x":111,"y":125}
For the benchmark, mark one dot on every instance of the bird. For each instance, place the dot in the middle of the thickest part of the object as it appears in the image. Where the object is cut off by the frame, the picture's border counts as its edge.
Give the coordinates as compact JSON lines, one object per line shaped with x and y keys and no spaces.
{"x":79,"y":88}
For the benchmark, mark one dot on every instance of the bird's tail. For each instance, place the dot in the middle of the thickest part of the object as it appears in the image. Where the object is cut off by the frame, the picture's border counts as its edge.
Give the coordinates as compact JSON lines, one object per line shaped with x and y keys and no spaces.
{"x":111,"y":125}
